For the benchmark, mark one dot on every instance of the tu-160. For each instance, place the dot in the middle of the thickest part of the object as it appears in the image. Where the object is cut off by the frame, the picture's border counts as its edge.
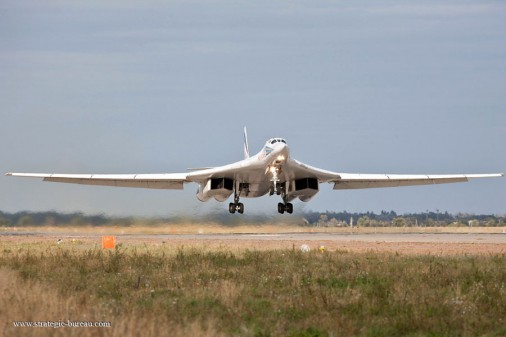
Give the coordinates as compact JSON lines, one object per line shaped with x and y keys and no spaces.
{"x":271,"y":171}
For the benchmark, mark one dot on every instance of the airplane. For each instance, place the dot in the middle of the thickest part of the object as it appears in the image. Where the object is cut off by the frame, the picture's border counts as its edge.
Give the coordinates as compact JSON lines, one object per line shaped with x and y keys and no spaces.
{"x":271,"y":171}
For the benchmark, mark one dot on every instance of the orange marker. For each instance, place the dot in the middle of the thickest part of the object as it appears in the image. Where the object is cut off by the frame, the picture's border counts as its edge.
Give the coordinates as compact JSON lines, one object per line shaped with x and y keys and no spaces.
{"x":108,"y":242}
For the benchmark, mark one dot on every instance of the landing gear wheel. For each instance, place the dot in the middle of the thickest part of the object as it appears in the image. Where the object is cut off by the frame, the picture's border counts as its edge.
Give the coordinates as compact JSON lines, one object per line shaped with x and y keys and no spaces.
{"x":237,"y":206}
{"x":281,"y":208}
{"x":289,"y":208}
{"x":231,"y":208}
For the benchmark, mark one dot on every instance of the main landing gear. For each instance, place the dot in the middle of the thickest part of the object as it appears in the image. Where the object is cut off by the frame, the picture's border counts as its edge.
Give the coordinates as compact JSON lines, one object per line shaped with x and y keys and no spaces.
{"x":236,"y":205}
{"x":276,"y":188}
{"x":233,"y":207}
{"x":285,"y":207}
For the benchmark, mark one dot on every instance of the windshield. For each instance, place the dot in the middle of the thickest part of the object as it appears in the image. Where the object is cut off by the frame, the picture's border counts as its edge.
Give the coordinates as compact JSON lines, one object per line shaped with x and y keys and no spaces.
{"x":277,"y":140}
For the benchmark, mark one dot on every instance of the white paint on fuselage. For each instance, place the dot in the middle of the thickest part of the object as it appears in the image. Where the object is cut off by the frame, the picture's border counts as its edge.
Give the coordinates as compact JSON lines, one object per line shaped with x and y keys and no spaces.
{"x":255,"y":170}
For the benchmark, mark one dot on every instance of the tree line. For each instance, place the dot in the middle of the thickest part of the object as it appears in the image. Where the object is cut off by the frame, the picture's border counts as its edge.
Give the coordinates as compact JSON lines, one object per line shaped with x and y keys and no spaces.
{"x":322,"y":219}
{"x":391,"y":218}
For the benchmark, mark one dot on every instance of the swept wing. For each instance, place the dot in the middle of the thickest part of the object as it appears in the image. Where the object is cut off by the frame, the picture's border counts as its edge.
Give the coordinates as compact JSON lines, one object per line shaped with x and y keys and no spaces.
{"x":172,"y":181}
{"x":344,"y":181}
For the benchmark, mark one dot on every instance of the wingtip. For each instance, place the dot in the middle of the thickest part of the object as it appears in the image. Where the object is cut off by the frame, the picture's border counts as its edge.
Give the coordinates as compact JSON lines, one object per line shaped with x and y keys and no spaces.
{"x":8,"y":174}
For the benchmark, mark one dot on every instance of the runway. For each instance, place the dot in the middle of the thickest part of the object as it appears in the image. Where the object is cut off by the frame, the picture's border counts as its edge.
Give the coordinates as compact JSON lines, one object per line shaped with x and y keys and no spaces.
{"x":339,"y":237}
{"x":495,"y":238}
{"x":411,"y":243}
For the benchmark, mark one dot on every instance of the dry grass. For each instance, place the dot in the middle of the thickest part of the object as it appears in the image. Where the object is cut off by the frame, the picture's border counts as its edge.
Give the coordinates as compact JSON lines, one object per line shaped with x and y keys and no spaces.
{"x":26,"y":299}
{"x":176,"y":291}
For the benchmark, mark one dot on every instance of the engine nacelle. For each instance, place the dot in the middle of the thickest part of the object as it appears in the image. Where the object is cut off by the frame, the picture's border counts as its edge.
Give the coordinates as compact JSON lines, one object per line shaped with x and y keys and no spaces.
{"x":219,"y":188}
{"x":304,"y":189}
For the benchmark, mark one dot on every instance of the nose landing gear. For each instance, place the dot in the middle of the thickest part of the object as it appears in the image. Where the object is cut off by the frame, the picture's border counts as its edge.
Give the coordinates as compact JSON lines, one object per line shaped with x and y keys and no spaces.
{"x":280,"y":189}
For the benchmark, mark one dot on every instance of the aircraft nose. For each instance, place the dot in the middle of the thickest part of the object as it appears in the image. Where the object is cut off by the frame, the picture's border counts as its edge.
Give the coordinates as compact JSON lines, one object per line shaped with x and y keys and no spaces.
{"x":282,"y":151}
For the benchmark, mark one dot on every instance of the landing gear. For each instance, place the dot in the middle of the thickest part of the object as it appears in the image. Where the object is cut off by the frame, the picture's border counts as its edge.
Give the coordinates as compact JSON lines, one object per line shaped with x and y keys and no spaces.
{"x":289,"y":208}
{"x":285,"y":207}
{"x":280,"y":189}
{"x":233,"y":207}
{"x":281,"y":208}
{"x":236,"y":205}
{"x":277,"y":187}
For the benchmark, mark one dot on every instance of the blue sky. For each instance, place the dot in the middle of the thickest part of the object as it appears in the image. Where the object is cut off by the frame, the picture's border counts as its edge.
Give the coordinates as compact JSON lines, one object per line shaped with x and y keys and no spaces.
{"x":159,"y":86}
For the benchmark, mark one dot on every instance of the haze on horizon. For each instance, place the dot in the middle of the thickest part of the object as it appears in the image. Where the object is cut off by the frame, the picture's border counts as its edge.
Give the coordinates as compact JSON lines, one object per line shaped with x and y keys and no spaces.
{"x":127,"y":87}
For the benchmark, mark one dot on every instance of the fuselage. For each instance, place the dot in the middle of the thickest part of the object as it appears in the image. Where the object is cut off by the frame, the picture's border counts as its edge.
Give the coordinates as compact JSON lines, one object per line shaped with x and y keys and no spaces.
{"x":268,"y":164}
{"x":255,"y":177}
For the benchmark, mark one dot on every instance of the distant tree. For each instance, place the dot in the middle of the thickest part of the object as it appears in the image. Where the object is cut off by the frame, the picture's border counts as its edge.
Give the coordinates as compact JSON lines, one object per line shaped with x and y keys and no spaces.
{"x":364,"y":221}
{"x":334,"y":223}
{"x":323,"y":222}
{"x":491,"y":223}
{"x":398,"y":222}
{"x":4,"y":221}
{"x":25,"y":220}
{"x":50,"y":221}
{"x":77,"y":220}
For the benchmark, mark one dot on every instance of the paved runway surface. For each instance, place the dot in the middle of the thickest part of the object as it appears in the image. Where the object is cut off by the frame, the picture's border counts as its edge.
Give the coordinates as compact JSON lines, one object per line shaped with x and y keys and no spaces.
{"x":433,"y":238}
{"x":328,"y":237}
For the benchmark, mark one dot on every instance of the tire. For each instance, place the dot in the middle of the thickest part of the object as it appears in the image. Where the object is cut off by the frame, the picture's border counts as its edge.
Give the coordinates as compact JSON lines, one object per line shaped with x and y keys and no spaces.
{"x":289,"y":208}
{"x":281,"y":208}
{"x":231,"y":208}
{"x":241,"y":208}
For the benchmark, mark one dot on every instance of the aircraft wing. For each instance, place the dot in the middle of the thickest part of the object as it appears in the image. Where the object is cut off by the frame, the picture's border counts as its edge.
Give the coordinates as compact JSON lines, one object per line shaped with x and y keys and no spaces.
{"x":357,"y":181}
{"x":294,"y":170}
{"x":172,"y":181}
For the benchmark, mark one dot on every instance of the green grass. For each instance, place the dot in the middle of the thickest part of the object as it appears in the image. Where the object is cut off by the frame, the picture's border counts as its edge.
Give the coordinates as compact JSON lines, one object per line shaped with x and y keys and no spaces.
{"x":282,"y":292}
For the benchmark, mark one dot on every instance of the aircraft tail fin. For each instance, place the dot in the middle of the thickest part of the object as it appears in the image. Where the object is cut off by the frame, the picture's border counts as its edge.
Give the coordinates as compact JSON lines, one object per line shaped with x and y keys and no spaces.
{"x":246,"y":147}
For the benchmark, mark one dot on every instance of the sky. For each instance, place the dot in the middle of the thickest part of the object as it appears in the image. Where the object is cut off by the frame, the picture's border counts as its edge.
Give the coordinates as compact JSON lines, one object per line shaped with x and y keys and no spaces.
{"x":161,"y":86}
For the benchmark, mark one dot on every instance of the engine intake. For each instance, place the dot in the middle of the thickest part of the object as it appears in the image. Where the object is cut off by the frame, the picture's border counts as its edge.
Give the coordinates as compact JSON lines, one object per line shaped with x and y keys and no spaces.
{"x":304,"y":189}
{"x":306,"y":183}
{"x":219,"y":188}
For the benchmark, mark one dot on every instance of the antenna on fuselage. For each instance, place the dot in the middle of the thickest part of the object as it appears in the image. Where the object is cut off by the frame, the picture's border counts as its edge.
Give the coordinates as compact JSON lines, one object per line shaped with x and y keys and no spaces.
{"x":246,"y":147}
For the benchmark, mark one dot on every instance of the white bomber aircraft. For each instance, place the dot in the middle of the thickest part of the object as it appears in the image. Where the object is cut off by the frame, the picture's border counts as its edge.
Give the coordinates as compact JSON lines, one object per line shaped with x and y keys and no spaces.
{"x":272,"y":171}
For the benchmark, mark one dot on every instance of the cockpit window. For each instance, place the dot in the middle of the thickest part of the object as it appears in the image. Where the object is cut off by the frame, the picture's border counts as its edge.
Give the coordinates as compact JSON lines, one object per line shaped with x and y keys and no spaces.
{"x":276,"y":140}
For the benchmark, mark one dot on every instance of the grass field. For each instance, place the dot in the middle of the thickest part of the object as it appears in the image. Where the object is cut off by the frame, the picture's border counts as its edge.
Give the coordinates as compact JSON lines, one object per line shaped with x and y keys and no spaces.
{"x":189,"y":291}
